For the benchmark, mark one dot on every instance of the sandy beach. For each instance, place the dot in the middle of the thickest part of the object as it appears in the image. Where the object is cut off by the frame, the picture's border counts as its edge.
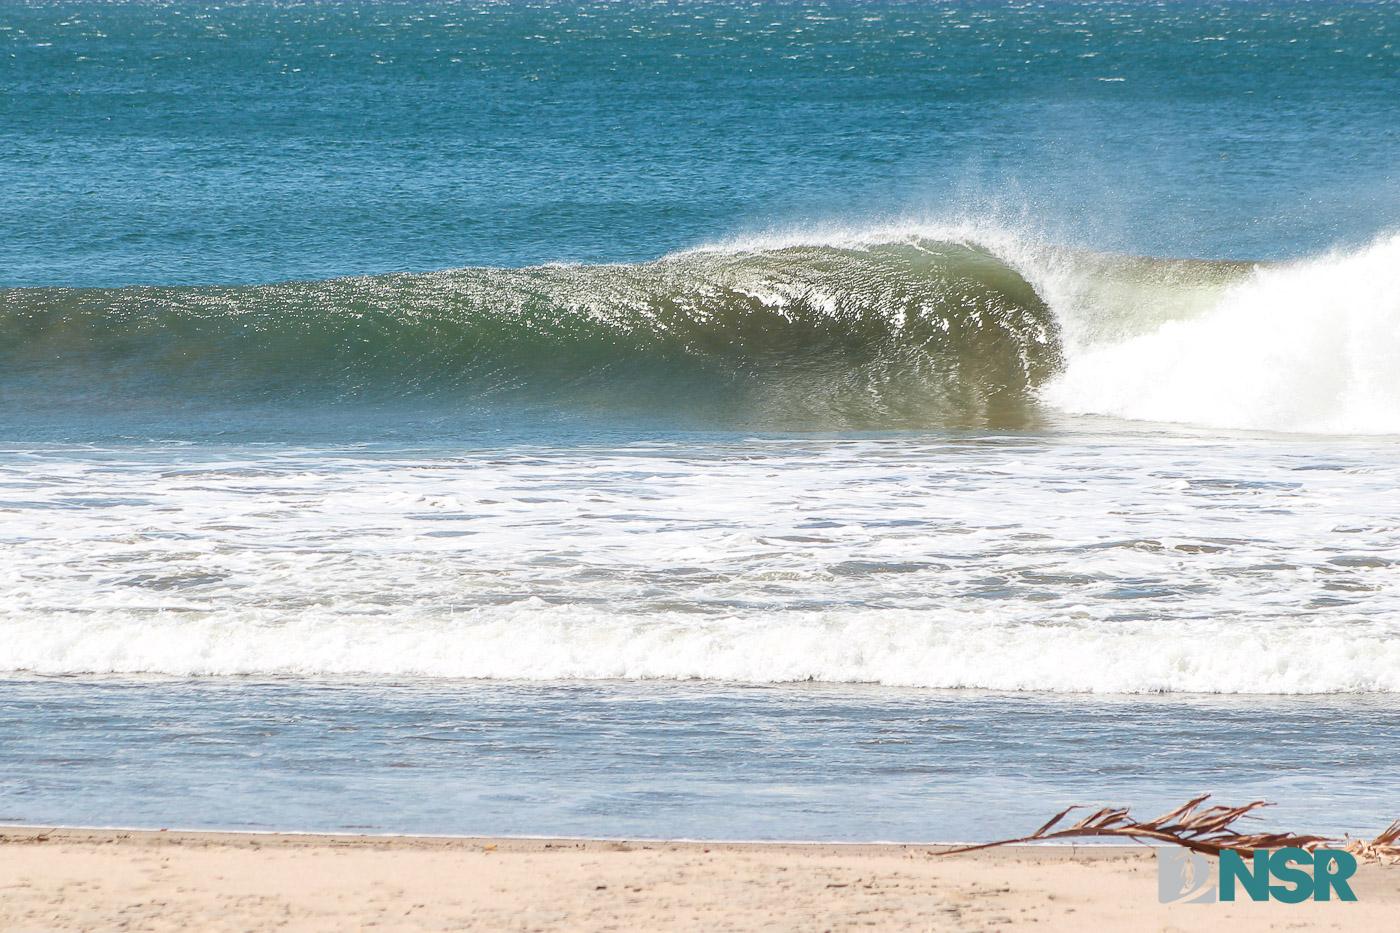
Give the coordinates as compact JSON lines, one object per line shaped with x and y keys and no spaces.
{"x":75,"y":879}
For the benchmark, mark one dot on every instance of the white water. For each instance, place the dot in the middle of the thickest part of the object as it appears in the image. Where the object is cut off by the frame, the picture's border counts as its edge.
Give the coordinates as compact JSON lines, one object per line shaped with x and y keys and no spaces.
{"x":1309,"y":347}
{"x":1110,"y":564}
{"x":533,"y":640}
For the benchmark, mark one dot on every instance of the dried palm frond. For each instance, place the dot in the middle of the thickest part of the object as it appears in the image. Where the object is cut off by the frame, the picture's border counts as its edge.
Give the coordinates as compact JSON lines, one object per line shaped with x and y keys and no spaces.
{"x":1384,"y":848}
{"x":1208,"y":830}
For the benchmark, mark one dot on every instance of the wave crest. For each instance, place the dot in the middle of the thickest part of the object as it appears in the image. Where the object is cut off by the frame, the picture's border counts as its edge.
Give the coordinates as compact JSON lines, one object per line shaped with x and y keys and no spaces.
{"x":886,"y":328}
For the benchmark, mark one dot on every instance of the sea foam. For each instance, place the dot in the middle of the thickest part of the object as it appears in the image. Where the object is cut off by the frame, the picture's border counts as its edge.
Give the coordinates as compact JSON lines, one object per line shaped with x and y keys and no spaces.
{"x":1103,"y":564}
{"x":1310,"y":346}
{"x":532,"y":640}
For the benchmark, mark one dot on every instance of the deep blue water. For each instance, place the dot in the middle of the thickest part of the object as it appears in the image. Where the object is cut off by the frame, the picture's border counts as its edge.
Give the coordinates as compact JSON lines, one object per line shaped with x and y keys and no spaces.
{"x":181,"y":143}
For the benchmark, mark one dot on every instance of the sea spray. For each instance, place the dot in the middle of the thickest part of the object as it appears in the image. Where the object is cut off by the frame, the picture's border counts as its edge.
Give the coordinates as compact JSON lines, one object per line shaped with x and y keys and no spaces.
{"x":1307,"y":346}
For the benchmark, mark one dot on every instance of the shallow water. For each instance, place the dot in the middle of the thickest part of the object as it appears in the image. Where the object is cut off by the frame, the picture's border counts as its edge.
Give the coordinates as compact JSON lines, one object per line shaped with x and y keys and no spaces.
{"x":709,"y":761}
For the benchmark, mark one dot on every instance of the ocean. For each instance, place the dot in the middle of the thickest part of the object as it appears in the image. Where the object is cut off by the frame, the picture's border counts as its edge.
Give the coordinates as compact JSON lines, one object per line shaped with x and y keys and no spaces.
{"x":747,"y":420}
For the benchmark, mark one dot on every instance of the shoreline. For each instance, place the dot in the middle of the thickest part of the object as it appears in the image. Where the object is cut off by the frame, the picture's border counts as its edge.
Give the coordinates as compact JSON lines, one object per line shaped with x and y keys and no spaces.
{"x":18,"y":834}
{"x":7,"y":829}
{"x":76,"y":878}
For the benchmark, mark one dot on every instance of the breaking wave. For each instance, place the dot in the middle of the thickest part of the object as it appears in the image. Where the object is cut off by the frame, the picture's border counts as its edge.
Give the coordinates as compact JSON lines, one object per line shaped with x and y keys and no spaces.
{"x":880,"y":329}
{"x":533,"y":641}
{"x":912,"y":332}
{"x":1311,"y":346}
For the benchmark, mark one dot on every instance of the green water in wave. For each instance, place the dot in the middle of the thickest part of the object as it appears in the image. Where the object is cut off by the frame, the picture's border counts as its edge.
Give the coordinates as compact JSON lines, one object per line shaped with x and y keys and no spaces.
{"x":915,"y":333}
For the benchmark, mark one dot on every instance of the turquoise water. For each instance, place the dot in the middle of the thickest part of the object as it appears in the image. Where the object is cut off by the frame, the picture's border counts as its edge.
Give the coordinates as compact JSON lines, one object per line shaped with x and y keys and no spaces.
{"x":845,"y":403}
{"x":174,"y":143}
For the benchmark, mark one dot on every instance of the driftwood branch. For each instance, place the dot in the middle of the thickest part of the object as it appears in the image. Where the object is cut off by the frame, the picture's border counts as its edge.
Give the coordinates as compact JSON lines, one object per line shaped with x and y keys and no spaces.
{"x":1209,"y":830}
